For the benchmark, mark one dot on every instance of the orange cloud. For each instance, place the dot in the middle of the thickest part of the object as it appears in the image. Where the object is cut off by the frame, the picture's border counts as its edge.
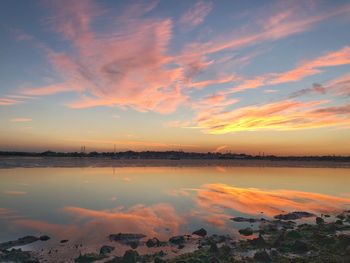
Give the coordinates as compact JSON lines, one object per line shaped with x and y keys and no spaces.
{"x":282,"y":115}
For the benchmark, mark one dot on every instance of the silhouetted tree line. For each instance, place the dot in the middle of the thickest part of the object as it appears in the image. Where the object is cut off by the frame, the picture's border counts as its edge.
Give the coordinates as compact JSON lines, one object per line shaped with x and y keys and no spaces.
{"x":174,"y":155}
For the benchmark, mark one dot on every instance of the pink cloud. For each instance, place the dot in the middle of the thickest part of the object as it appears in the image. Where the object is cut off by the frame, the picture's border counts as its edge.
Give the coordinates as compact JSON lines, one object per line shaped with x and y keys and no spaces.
{"x":15,"y":192}
{"x":196,"y":15}
{"x":305,"y":69}
{"x":21,"y":120}
{"x":279,"y":25}
{"x":220,"y":80}
{"x":139,"y":77}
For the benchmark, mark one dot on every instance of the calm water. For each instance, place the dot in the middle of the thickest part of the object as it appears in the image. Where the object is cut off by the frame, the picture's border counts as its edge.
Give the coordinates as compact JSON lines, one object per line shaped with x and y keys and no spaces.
{"x":88,"y":204}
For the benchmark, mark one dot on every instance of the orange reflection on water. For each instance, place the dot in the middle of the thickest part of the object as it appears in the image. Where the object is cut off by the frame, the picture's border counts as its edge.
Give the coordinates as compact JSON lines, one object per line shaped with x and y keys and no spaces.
{"x":160,"y":220}
{"x":217,"y":197}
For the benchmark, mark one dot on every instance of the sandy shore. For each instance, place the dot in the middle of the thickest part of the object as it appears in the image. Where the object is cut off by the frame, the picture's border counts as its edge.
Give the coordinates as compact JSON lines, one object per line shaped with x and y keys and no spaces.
{"x":31,"y":162}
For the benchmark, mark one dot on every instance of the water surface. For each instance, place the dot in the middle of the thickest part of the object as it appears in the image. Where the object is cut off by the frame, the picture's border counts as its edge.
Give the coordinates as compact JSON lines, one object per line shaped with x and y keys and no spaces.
{"x":85,"y":205}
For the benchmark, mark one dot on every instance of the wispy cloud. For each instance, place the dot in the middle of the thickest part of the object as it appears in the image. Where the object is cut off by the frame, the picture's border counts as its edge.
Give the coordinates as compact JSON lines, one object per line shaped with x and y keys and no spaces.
{"x":139,"y":77}
{"x":21,"y":120}
{"x":278,"y":25}
{"x":305,"y":69}
{"x":15,"y":192}
{"x":339,"y":86}
{"x":13,"y":99}
{"x":196,"y":14}
{"x":281,"y":115}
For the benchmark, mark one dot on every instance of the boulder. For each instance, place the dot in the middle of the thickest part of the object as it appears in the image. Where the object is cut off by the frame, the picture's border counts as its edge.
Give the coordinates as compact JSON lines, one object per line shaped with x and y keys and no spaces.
{"x":153,"y":242}
{"x":200,"y":232}
{"x":106,"y":249}
{"x":246,"y":231}
{"x":44,"y":238}
{"x":177,"y":240}
{"x":319,"y":221}
{"x":244,"y":219}
{"x":300,"y":247}
{"x":130,"y":256}
{"x":294,"y":215}
{"x":262,"y":256}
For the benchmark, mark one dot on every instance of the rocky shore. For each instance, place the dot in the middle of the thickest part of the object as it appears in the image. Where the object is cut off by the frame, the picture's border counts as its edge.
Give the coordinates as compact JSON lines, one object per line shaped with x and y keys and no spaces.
{"x":284,"y":238}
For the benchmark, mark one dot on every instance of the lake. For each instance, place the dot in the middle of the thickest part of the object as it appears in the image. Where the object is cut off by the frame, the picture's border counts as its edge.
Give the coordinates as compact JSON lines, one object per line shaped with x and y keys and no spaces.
{"x":85,"y":205}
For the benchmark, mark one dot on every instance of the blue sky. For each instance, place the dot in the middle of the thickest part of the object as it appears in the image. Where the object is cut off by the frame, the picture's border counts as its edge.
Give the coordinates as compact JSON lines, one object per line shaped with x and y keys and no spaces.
{"x":192,"y":75}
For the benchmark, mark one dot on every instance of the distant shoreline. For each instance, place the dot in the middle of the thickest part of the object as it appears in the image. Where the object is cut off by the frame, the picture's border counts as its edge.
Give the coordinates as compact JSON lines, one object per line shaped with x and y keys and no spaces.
{"x":7,"y":162}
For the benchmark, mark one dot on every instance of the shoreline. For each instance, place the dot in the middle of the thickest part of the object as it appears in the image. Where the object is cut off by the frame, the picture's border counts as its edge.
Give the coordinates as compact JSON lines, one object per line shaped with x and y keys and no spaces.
{"x":278,"y":239}
{"x":7,"y":162}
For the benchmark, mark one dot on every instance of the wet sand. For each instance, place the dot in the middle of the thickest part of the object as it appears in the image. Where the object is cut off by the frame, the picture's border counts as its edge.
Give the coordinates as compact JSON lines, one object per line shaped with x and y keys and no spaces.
{"x":30,"y":162}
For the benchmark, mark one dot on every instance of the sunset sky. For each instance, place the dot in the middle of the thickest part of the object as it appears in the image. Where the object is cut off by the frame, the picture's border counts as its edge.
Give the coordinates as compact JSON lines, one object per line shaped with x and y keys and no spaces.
{"x":241,"y":76}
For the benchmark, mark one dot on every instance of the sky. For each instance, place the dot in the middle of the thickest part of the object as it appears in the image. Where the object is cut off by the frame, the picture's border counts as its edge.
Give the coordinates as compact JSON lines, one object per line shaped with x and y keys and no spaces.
{"x":240,"y":76}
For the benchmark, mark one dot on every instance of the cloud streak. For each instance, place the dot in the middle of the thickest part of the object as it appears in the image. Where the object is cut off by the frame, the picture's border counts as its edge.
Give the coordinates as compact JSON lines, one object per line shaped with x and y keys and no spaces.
{"x":281,"y":115}
{"x":196,"y":15}
{"x":305,"y":69}
{"x":21,"y":120}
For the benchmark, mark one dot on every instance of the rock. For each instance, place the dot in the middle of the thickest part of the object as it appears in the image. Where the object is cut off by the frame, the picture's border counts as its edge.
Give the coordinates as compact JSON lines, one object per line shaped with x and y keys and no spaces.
{"x":293,"y":234}
{"x":338,"y":222}
{"x":300,"y":247}
{"x":213,"y":259}
{"x":130,"y":256}
{"x":177,"y":240}
{"x":278,"y":242}
{"x":16,"y":255}
{"x":244,"y":219}
{"x":133,"y":244}
{"x":258,"y":242}
{"x":319,"y":221}
{"x":262,"y":256}
{"x":213,"y":248}
{"x":219,"y":238}
{"x":181,"y":246}
{"x":19,"y":242}
{"x":200,"y":232}
{"x":90,"y":257}
{"x":128,"y":239}
{"x":106,"y":249}
{"x":64,"y":241}
{"x":153,"y":242}
{"x":159,"y":260}
{"x":293,"y":215}
{"x":341,"y":216}
{"x":44,"y":238}
{"x":246,"y":231}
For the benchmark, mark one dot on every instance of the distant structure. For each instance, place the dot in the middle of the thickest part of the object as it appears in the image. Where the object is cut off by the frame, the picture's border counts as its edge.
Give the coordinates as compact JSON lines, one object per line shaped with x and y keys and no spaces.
{"x":82,"y":149}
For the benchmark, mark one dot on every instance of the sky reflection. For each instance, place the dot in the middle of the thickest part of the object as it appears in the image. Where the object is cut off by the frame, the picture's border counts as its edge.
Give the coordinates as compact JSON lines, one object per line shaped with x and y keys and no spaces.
{"x":89,"y":204}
